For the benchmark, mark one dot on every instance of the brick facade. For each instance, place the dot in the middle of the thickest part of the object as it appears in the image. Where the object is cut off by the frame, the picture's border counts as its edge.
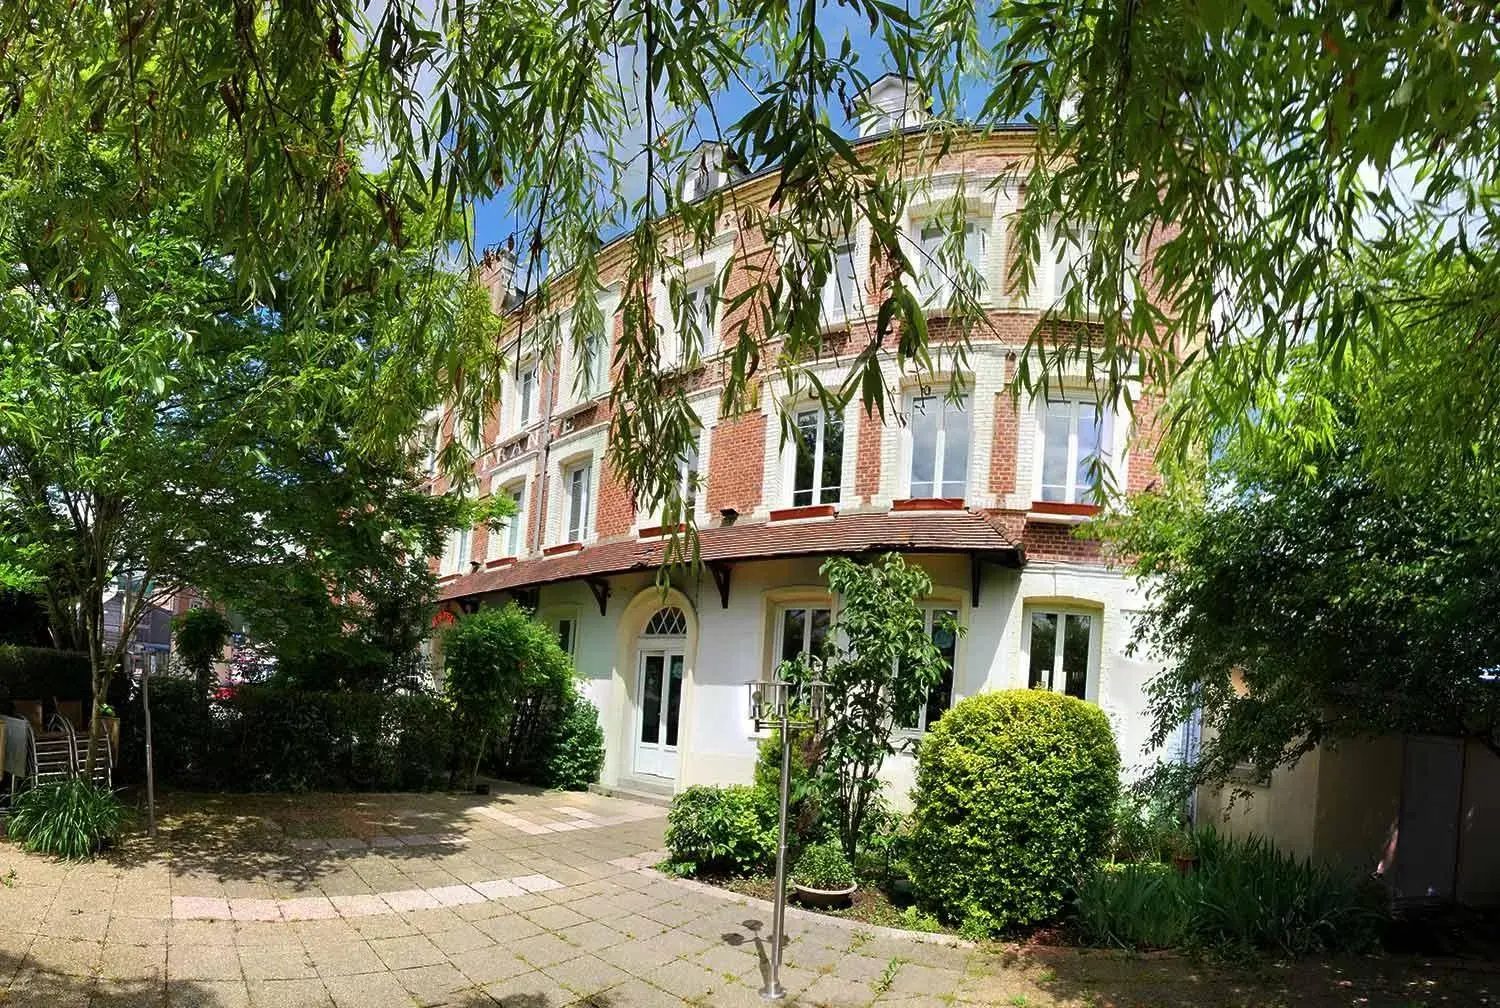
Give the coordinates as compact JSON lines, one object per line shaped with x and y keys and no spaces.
{"x":741,"y":448}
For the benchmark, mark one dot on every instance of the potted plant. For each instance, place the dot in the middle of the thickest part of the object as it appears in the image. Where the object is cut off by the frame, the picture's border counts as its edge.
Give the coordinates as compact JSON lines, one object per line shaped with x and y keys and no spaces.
{"x":823,"y":877}
{"x":1183,"y":849}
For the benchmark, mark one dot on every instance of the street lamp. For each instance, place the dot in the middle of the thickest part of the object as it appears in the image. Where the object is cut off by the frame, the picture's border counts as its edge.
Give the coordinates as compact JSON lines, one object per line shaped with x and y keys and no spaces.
{"x":775,"y":704}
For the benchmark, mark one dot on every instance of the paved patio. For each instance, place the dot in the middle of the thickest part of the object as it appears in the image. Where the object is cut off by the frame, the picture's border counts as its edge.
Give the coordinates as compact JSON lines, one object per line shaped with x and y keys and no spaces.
{"x":520,"y":899}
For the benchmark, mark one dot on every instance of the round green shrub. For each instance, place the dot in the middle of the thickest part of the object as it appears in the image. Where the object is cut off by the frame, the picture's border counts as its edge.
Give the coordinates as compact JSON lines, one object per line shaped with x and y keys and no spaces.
{"x":824,"y":866}
{"x":719,"y":830}
{"x":1012,"y":805}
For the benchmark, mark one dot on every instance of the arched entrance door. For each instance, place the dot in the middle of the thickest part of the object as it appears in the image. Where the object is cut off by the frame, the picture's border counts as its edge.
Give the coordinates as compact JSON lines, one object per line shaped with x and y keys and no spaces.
{"x":660,"y":657}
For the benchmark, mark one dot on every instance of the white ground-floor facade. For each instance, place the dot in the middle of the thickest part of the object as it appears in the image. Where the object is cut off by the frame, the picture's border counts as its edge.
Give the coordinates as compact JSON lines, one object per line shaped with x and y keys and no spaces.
{"x":668,"y":669}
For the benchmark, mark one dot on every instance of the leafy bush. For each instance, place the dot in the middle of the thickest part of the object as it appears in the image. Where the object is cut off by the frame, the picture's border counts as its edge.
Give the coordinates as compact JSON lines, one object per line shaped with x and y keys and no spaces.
{"x":267,"y":737}
{"x":805,"y":819}
{"x":1243,"y":896}
{"x":1012,"y":804}
{"x":33,"y":673}
{"x":69,"y":819}
{"x":499,"y":661}
{"x":824,"y":866}
{"x":719,"y":830}
{"x":579,"y":751}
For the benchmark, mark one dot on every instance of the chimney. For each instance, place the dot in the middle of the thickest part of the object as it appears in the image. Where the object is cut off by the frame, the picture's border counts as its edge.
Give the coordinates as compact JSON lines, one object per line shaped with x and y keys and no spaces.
{"x":497,"y":271}
{"x":891,"y":103}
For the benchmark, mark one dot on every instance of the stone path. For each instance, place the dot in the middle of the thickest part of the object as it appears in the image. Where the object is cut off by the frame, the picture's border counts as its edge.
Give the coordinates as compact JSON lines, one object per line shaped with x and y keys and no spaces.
{"x":525,"y":900}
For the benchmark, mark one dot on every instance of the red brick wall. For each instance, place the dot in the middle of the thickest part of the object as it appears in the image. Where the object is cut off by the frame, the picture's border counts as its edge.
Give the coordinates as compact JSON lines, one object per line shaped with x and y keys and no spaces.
{"x":867,"y":461}
{"x":1058,"y":542}
{"x":1145,"y":436}
{"x":737,"y":463}
{"x":1007,"y":436}
{"x":615,"y":513}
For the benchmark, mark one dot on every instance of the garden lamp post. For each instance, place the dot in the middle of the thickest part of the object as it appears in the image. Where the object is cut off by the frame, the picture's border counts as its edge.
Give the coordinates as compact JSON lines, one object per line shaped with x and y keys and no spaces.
{"x":773,"y":705}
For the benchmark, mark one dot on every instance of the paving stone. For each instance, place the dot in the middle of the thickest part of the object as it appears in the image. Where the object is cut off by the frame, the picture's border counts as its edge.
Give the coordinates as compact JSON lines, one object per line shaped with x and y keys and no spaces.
{"x":288,"y":994}
{"x":344,"y":958}
{"x":486,"y":966}
{"x":586,"y":974}
{"x":439,"y":984}
{"x":403,"y":953}
{"x":203,"y":962}
{"x":530,"y":990}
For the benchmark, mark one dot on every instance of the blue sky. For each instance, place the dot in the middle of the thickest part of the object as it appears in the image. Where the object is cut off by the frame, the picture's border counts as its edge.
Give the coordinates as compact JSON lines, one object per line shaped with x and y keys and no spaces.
{"x":496,"y":220}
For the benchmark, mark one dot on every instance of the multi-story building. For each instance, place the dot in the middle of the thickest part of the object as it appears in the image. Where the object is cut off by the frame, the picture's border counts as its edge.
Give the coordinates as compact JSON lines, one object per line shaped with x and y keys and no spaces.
{"x":984,"y":490}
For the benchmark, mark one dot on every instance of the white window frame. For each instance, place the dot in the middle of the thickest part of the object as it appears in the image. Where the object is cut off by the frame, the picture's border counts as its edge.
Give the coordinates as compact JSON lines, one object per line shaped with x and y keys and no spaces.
{"x":834,"y":306}
{"x":818,"y":446}
{"x":652,"y":513}
{"x":432,"y":437}
{"x":583,"y":382}
{"x":1059,"y":256}
{"x":583,"y":530}
{"x":934,"y":287}
{"x":780,"y":609}
{"x":1058,"y":682}
{"x":1076,"y":405}
{"x":523,"y":418}
{"x":458,"y":551}
{"x":511,"y":539}
{"x":929,"y":620}
{"x":940,"y":442}
{"x":555,"y":618}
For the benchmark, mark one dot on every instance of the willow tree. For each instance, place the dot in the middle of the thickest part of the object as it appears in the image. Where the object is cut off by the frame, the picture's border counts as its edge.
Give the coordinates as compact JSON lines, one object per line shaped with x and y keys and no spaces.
{"x":1278,"y":140}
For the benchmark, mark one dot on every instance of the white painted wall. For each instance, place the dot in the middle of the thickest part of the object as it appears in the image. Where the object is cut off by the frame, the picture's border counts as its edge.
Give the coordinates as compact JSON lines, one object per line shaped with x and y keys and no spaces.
{"x":730,"y":647}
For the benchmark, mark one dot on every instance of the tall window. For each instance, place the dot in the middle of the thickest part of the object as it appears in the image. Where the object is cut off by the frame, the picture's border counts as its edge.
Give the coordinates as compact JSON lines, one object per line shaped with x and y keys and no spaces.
{"x":935,"y":275}
{"x":940,"y":625}
{"x":526,"y":397}
{"x":841,"y":294}
{"x":1076,"y":436}
{"x":1061,"y":648}
{"x":456,"y":553}
{"x":593,"y":361}
{"x":576,"y":486}
{"x":512,"y":538}
{"x":567,"y":632}
{"x":939,"y":446}
{"x":802,"y":630}
{"x":687,"y":489}
{"x":819,"y":464}
{"x":699,"y":307}
{"x":431,"y":433}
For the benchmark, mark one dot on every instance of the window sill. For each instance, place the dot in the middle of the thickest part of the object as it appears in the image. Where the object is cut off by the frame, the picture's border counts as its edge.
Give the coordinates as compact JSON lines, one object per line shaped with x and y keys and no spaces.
{"x":806,"y":511}
{"x":928,"y":504}
{"x":448,"y":578}
{"x":572,"y":411}
{"x":500,"y":562}
{"x":657,"y":531}
{"x":560,"y":548}
{"x":1058,"y":513}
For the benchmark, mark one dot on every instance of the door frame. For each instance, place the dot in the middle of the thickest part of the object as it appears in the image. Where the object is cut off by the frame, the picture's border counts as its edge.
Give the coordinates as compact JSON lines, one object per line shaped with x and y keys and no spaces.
{"x":667,"y":648}
{"x":622,"y":722}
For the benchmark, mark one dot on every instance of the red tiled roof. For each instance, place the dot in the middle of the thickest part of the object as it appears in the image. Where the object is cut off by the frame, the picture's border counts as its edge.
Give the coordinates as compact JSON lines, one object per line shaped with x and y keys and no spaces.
{"x":901,"y":531}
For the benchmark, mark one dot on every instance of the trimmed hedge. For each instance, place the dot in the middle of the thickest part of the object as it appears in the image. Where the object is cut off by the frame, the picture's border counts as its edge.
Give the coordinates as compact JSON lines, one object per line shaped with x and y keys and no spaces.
{"x":275,"y":738}
{"x":32,"y":673}
{"x":1012,"y":807}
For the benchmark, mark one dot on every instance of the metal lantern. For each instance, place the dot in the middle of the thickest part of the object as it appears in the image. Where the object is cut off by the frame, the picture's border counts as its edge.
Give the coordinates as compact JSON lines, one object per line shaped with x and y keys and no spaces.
{"x":783,"y":704}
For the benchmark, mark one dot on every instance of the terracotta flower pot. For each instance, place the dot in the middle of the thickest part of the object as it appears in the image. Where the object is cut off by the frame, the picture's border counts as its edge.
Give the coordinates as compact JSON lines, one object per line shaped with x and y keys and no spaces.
{"x":824,"y":899}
